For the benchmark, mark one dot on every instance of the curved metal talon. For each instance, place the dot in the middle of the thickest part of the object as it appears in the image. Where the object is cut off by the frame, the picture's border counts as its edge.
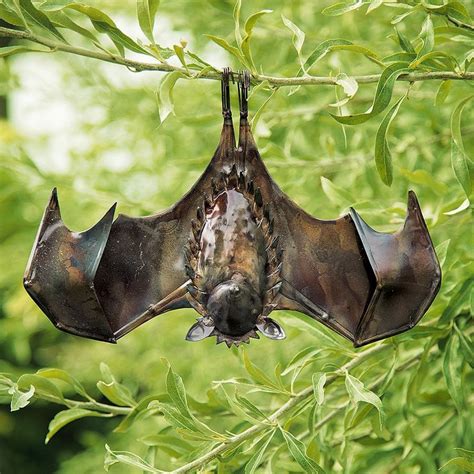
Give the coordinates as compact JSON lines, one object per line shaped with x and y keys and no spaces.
{"x":226,"y":75}
{"x":243,"y":89}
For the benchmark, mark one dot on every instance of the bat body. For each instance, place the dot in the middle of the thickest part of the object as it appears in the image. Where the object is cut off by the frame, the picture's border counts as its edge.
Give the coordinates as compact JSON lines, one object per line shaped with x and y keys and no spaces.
{"x":234,"y":248}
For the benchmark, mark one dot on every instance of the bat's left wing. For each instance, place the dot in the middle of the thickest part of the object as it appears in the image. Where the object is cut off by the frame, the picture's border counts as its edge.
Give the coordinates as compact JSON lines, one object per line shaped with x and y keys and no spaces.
{"x":106,"y":281}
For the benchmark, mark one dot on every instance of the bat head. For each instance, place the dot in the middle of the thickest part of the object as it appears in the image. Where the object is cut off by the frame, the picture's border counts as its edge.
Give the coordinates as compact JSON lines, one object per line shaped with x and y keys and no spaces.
{"x":234,"y":314}
{"x":234,"y":307}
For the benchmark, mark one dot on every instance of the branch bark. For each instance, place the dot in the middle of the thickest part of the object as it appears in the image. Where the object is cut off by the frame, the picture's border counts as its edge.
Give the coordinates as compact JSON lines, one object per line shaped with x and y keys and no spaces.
{"x":216,"y":75}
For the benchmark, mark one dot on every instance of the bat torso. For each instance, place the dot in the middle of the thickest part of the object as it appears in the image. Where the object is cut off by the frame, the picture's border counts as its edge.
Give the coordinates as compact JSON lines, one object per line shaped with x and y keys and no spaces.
{"x":231,"y":257}
{"x":231,"y":242}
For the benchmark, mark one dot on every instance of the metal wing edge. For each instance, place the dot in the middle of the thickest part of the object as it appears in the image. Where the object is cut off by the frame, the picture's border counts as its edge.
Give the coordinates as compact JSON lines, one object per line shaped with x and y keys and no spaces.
{"x":33,"y":282}
{"x":386,"y":281}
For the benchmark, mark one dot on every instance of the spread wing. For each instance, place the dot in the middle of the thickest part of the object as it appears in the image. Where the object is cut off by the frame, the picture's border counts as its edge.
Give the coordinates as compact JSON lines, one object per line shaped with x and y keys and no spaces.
{"x":103,"y":283}
{"x":361,"y":283}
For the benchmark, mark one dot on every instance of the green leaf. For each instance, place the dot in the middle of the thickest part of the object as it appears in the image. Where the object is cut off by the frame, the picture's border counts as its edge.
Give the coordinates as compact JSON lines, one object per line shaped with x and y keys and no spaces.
{"x":129,"y":459}
{"x":358,"y":393}
{"x":441,"y":251}
{"x":451,"y":8}
{"x":11,"y":16}
{"x":442,"y":93}
{"x":402,"y":16}
{"x":139,"y":410}
{"x":176,"y":390}
{"x":457,"y":301}
{"x":179,"y":50}
{"x":297,"y":450}
{"x":374,"y":4}
{"x":320,"y":51}
{"x":383,"y":157}
{"x":257,"y":374}
{"x":253,"y":409}
{"x":404,"y":42}
{"x":298,"y":36}
{"x":258,"y":113}
{"x":257,"y":457}
{"x":300,"y":358}
{"x":319,"y":380}
{"x":43,"y":387}
{"x":350,"y":87}
{"x":61,"y":19}
{"x":20,"y":399}
{"x":248,"y":28}
{"x":462,"y":207}
{"x":465,"y":345}
{"x":341,"y":8}
{"x":11,"y":50}
{"x":236,"y":16}
{"x":425,"y":178}
{"x":383,"y":95}
{"x":146,"y":12}
{"x":335,"y":194}
{"x":39,"y":18}
{"x":165,"y":94}
{"x":459,"y":462}
{"x":325,"y":336}
{"x":225,"y":45}
{"x":355,"y":48}
{"x":427,"y":37}
{"x":65,"y":417}
{"x":441,"y":55}
{"x":459,"y":159}
{"x":464,"y":462}
{"x":173,"y":445}
{"x":465,"y":453}
{"x":60,"y":374}
{"x":104,"y":24}
{"x":174,"y":416}
{"x":236,"y":408}
{"x":452,"y":373}
{"x":113,"y":390}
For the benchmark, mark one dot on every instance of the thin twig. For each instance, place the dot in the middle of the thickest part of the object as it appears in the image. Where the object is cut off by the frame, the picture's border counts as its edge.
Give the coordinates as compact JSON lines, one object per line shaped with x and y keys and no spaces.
{"x":216,"y":75}
{"x":276,"y":416}
{"x":460,"y":23}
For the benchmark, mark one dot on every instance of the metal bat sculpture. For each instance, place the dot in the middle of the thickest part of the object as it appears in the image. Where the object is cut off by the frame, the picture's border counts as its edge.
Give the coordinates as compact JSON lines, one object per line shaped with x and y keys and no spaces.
{"x":235,"y":248}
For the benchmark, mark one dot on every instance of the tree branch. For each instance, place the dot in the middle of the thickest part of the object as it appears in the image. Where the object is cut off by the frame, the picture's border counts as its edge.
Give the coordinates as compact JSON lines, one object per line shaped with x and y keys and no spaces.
{"x":276,"y":416}
{"x":216,"y":75}
{"x":460,"y":23}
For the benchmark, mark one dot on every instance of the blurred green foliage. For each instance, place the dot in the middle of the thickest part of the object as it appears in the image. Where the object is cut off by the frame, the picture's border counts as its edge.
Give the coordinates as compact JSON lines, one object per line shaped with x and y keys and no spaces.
{"x":94,"y":131}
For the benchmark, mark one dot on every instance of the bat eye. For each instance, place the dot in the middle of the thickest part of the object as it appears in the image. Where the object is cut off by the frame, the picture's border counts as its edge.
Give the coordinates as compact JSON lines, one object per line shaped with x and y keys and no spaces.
{"x":199,"y":331}
{"x":271,"y":329}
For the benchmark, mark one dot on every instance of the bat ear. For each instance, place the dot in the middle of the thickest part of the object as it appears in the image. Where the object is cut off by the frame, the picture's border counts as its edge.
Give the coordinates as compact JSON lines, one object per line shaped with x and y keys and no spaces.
{"x":271,"y":329}
{"x":199,"y":331}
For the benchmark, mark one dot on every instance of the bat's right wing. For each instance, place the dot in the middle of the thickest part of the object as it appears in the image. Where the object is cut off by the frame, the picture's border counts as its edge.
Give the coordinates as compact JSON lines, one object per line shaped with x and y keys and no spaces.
{"x":363,"y":284}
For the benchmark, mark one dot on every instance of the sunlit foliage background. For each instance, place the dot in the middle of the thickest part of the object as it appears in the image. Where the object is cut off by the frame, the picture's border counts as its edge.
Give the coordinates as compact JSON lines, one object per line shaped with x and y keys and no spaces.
{"x":94,"y":131}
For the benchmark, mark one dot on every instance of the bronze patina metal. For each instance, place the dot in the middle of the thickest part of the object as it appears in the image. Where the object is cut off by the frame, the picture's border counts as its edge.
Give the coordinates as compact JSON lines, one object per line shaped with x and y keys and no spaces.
{"x":235,"y":248}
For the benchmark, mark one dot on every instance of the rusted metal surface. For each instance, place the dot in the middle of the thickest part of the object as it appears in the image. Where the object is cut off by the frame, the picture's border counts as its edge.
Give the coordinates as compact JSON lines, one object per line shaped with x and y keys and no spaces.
{"x":235,"y":248}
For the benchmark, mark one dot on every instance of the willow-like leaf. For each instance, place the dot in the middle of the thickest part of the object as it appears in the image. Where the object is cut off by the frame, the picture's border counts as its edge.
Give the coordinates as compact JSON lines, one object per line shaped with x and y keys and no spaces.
{"x":383,"y":156}
{"x":382,"y":98}
{"x":65,"y":417}
{"x":146,"y":12}
{"x":459,"y":160}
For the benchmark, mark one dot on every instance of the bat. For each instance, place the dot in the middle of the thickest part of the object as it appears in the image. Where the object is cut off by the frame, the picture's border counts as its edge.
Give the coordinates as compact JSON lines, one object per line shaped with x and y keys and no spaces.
{"x":235,"y":248}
